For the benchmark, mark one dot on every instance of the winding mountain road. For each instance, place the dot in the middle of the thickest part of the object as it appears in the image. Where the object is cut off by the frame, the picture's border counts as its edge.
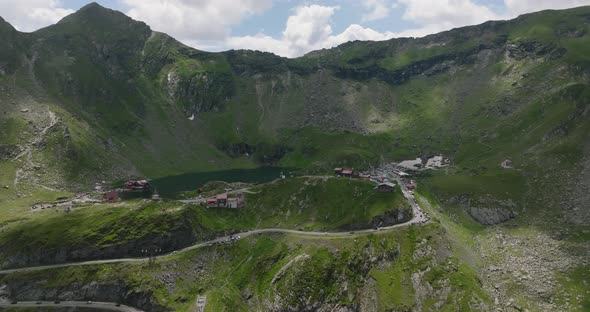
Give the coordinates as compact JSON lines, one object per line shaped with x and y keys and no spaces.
{"x":418,"y":217}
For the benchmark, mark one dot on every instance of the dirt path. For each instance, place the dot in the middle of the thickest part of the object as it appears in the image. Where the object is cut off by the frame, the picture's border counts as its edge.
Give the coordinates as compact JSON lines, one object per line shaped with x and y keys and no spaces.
{"x":259,"y":91}
{"x":27,"y":153}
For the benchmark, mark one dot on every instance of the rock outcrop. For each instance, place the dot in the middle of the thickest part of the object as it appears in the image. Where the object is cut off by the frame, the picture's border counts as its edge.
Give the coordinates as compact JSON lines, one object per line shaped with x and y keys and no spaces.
{"x":490,"y":216}
{"x":181,"y":235}
{"x":486,"y":210}
{"x":116,"y":291}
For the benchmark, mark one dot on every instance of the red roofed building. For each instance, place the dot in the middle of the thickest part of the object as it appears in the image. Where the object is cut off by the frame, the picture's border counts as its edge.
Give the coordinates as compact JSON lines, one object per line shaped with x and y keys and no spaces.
{"x":223,"y":201}
{"x":212,"y":202}
{"x":110,"y":197}
{"x":347,"y":172}
{"x":140,"y":185}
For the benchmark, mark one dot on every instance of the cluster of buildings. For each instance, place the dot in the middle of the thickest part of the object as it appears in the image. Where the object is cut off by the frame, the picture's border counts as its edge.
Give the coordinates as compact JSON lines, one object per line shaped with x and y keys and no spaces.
{"x":138,"y":185}
{"x":130,"y":186}
{"x":219,"y":201}
{"x":378,"y":176}
{"x":225,"y":201}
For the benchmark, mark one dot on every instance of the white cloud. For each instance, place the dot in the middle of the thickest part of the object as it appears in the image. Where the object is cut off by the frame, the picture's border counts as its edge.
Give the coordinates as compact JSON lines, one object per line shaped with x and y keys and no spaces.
{"x":195,"y":20}
{"x":358,"y":32}
{"x":435,"y":16}
{"x":30,"y":15}
{"x":378,"y":9}
{"x":308,"y":29}
{"x":207,"y":24}
{"x":517,"y":7}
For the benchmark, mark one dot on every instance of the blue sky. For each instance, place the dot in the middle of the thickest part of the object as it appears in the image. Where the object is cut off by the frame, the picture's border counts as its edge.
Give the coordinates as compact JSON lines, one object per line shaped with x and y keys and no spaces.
{"x":286,"y":27}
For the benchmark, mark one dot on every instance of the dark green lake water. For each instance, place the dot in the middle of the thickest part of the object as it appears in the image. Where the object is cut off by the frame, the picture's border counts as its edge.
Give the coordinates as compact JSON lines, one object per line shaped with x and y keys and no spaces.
{"x":168,"y":186}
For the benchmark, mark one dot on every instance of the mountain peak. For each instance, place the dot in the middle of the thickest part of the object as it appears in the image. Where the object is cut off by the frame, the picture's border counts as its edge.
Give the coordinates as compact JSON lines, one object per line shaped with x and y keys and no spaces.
{"x":95,"y":18}
{"x":95,"y":11}
{"x":93,"y":6}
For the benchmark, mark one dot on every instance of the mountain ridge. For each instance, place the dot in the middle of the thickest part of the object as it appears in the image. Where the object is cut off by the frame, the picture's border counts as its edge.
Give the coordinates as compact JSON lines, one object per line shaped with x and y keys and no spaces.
{"x":193,"y":82}
{"x":99,"y":98}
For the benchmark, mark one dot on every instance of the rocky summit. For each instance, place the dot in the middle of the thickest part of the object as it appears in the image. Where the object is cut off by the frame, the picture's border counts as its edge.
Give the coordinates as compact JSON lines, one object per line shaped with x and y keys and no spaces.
{"x":137,"y":173}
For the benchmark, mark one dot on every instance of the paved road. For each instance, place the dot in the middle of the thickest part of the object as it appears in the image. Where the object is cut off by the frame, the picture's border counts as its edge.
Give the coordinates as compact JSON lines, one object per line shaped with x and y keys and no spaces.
{"x":418,"y":217}
{"x":72,"y":304}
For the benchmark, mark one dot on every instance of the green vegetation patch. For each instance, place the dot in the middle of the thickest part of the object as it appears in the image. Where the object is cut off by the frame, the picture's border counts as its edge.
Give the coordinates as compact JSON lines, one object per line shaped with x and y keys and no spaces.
{"x":309,"y":203}
{"x":296,"y":203}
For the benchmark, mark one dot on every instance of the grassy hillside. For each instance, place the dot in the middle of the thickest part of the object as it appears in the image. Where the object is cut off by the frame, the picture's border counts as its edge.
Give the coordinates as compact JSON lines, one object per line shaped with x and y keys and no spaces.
{"x":124,"y":228}
{"x":100,"y":96}
{"x":285,"y":272}
{"x":359,"y":103}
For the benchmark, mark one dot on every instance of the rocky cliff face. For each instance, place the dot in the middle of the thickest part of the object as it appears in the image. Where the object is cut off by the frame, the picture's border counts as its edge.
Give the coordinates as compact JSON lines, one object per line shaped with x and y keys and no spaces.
{"x":486,"y":210}
{"x":115,"y":291}
{"x":182,"y":234}
{"x":392,"y":217}
{"x":199,"y":91}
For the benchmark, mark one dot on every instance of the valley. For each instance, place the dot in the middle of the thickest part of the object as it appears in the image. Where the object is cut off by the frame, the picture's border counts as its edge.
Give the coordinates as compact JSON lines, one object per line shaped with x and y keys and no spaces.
{"x":492,"y":216}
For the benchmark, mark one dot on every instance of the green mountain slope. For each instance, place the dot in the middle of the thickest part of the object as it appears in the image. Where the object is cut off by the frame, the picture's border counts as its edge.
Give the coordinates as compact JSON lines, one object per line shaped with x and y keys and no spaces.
{"x":136,"y":90}
{"x":99,"y":96}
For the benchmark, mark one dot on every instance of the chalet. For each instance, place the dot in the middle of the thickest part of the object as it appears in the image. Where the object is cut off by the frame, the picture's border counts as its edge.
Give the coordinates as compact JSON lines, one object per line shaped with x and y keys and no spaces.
{"x":137,"y":185}
{"x":385,"y":187}
{"x":110,"y":197}
{"x":223,"y":201}
{"x":345,"y":172}
{"x":235,"y":202}
{"x":412,"y":185}
{"x":212,"y":202}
